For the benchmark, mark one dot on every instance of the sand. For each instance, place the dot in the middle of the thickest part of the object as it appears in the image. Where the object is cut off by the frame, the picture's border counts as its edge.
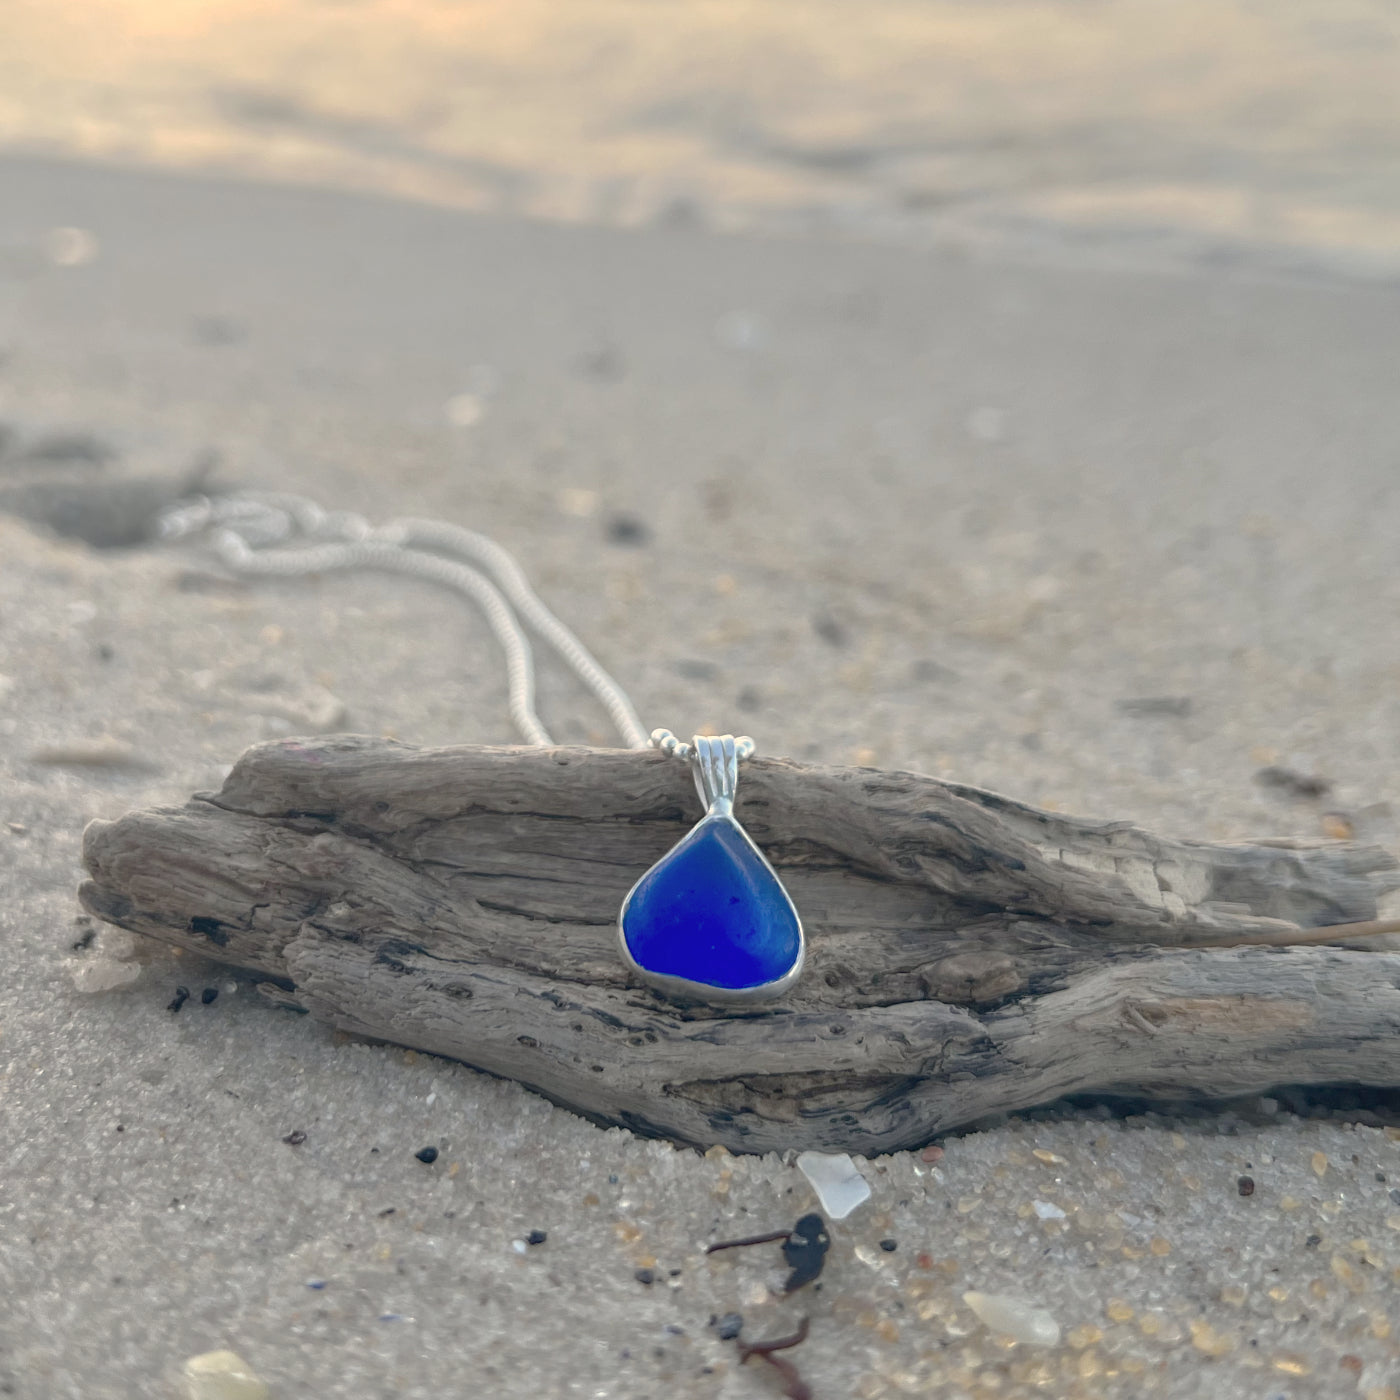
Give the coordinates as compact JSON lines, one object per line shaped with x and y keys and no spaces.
{"x":953,"y":514}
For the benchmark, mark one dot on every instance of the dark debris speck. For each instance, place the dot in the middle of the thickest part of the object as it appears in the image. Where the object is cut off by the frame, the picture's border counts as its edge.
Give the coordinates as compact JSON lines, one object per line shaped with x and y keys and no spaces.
{"x":728,"y":1327}
{"x":427,"y":1155}
{"x":208,"y":995}
{"x":1313,"y":1241}
{"x":536,"y":1237}
{"x":1292,"y":783}
{"x":626,"y":529}
{"x":182,"y":995}
{"x":644,"y":1276}
{"x":295,"y":1139}
{"x":70,"y":448}
{"x":830,"y":629}
{"x":1147,"y":706}
{"x":1245,"y":1185}
{"x":889,"y":1246}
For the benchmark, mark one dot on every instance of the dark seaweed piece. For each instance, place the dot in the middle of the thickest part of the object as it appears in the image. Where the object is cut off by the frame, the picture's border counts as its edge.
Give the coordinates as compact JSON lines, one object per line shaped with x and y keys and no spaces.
{"x":805,"y":1251}
{"x":794,"y":1387}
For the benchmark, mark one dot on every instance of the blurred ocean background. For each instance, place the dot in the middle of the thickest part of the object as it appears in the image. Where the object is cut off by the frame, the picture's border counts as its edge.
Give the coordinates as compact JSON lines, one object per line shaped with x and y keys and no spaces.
{"x":1142,"y":132}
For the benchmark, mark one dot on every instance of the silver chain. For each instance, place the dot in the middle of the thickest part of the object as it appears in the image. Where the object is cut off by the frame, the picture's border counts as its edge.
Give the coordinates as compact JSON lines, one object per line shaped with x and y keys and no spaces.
{"x":271,"y":533}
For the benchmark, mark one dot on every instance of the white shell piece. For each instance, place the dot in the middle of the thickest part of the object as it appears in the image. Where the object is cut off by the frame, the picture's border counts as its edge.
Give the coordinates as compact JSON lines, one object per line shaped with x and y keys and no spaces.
{"x":222,"y":1375}
{"x":1015,"y":1318}
{"x":839,"y":1186}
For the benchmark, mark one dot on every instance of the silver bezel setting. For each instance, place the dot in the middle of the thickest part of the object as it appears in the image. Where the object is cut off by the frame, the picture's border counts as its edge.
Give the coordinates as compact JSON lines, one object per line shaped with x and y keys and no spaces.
{"x":715,"y":763}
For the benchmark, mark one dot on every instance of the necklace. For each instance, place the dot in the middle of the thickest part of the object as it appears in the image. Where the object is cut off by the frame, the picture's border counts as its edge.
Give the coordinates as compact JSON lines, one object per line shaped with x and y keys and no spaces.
{"x":710,"y":921}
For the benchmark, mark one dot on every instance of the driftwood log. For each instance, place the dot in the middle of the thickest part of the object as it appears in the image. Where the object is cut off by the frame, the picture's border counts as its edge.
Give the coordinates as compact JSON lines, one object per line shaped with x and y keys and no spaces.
{"x":967,"y":954}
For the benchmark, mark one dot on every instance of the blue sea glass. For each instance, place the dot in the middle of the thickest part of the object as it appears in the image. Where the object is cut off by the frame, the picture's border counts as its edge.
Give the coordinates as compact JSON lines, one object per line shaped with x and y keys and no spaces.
{"x":712,"y":912}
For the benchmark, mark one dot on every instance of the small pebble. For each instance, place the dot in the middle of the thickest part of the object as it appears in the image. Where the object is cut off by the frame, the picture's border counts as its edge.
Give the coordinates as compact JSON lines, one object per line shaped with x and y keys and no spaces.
{"x":1245,"y":1185}
{"x":464,"y":410}
{"x":1015,"y":1318}
{"x":317,"y":1283}
{"x":644,"y":1276}
{"x":222,"y":1375}
{"x":519,"y":1246}
{"x":932,"y":1153}
{"x":536,"y":1237}
{"x":729,"y":1326}
{"x":209,"y":995}
{"x":295,"y":1139}
{"x":1206,"y":1339}
{"x":182,"y":995}
{"x":103,"y":975}
{"x":427,"y":1155}
{"x":1047,"y":1210}
{"x":889,"y":1246}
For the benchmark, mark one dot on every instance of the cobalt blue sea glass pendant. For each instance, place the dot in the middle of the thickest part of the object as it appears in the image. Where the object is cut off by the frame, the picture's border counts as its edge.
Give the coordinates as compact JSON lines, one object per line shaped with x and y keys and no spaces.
{"x":710,"y":920}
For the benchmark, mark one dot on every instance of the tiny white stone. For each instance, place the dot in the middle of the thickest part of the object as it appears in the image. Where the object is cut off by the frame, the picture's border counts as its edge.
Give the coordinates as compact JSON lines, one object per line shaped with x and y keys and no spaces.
{"x":1047,"y":1210}
{"x":519,"y":1246}
{"x":464,"y":410}
{"x":839,"y":1186}
{"x":577,"y":500}
{"x":103,"y":974}
{"x":70,"y":247}
{"x":222,"y":1375}
{"x":1015,"y":1318}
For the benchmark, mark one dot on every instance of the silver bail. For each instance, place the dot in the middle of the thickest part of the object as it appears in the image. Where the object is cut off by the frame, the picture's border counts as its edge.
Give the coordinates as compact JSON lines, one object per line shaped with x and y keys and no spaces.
{"x":716,"y":770}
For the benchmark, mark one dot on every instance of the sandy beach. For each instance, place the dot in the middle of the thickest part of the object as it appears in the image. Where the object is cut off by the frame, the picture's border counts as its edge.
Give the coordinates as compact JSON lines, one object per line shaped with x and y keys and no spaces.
{"x":1109,"y":541}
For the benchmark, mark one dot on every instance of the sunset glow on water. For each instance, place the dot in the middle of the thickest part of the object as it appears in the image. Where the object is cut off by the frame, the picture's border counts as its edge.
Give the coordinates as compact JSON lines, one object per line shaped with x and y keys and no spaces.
{"x":1183,"y":127}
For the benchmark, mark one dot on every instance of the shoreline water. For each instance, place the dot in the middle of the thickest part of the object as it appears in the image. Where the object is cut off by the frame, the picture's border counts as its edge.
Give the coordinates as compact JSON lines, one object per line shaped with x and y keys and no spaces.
{"x":1205,"y":133}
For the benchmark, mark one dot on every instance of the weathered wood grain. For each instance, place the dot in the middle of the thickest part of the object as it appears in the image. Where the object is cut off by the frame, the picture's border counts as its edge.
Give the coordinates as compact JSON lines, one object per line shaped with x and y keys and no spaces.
{"x":968,"y":954}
